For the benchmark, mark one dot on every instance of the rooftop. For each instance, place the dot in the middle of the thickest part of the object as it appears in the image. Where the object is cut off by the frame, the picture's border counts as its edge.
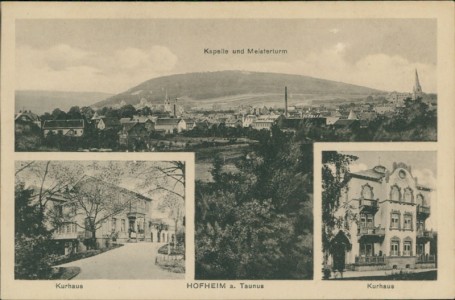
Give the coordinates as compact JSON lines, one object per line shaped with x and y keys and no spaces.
{"x":76,"y":123}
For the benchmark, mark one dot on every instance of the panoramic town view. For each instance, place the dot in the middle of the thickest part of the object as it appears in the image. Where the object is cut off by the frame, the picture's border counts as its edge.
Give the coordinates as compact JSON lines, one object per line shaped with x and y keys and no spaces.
{"x":379,"y":215}
{"x":99,"y":220}
{"x":250,"y":109}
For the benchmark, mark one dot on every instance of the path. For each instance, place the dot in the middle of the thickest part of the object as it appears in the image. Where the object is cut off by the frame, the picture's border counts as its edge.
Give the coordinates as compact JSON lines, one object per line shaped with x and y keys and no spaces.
{"x":132,"y":261}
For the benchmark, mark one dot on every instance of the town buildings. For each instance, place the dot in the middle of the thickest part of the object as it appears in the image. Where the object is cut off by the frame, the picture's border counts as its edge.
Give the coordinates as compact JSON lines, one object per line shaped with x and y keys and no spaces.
{"x":391,"y":230}
{"x":126,"y":128}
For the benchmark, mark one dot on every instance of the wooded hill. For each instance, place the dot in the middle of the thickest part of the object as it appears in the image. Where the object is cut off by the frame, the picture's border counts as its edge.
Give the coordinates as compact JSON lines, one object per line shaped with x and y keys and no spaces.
{"x":234,"y":87}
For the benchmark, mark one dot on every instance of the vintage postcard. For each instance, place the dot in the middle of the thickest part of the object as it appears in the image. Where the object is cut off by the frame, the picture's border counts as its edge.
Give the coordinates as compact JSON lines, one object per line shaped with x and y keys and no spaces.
{"x":227,"y":150}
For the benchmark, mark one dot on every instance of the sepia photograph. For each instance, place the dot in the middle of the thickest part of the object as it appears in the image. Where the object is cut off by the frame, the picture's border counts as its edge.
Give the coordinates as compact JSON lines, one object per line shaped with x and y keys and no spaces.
{"x":99,"y":220}
{"x":183,"y":85}
{"x":379,"y":215}
{"x":241,"y":150}
{"x":249,"y":103}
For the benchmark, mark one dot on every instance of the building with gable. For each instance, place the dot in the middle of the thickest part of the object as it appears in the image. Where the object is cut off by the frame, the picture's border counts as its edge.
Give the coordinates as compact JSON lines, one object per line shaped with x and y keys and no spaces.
{"x":169,"y":125}
{"x":72,"y":128}
{"x":391,"y":232}
{"x":127,"y":217}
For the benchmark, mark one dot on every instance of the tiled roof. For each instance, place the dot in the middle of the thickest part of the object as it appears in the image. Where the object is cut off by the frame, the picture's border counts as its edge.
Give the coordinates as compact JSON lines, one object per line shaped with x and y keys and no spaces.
{"x":111,"y":122}
{"x":129,"y":125}
{"x":78,"y":123}
{"x":167,"y":121}
{"x":368,"y":174}
{"x":30,"y":115}
{"x":125,"y":120}
{"x":345,"y":122}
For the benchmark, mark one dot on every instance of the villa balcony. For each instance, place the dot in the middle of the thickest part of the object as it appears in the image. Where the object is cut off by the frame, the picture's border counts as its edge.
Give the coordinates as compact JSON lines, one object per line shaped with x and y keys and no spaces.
{"x":426,"y":258}
{"x":132,"y":215}
{"x":368,"y":205}
{"x":68,"y":235}
{"x":370,"y":260}
{"x":372,"y":234}
{"x":424,"y":235}
{"x":423,"y":212}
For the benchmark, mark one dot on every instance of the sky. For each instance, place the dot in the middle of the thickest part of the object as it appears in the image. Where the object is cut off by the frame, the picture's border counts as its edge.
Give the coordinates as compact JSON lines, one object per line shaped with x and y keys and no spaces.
{"x":423,"y":167}
{"x":108,"y":55}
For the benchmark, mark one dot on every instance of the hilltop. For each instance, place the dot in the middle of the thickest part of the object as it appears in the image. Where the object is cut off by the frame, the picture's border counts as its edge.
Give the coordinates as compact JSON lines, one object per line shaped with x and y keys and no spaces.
{"x":46,"y":101}
{"x":235,"y":88}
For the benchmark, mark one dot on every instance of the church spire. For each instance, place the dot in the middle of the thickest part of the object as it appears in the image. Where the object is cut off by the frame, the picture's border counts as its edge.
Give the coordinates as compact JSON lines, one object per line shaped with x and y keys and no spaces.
{"x":417,"y":91}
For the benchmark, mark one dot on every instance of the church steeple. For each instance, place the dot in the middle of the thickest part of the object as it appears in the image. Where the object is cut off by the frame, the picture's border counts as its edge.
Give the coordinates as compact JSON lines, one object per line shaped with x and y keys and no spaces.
{"x":417,"y":91}
{"x":167,"y":103}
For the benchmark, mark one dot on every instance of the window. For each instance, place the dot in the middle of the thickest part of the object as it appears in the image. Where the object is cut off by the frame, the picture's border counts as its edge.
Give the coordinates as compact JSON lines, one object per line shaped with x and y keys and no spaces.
{"x":140,"y":225}
{"x":114,"y":224}
{"x":366,"y":249}
{"x":370,"y":222}
{"x":395,"y":248}
{"x":74,"y":210}
{"x":408,"y":222}
{"x":420,"y":249}
{"x":407,"y":197}
{"x":395,"y":193}
{"x":363,"y":220}
{"x":367,"y":192}
{"x":420,"y":225}
{"x":407,"y":246}
{"x":420,"y":199}
{"x":395,"y":221}
{"x":58,"y":210}
{"x":122,"y":229}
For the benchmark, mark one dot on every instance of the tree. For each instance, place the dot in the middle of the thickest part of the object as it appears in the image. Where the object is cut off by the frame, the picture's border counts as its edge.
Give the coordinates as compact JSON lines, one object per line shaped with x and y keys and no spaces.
{"x":31,"y":236}
{"x":257,"y":223}
{"x":74,"y":113}
{"x":335,"y":175}
{"x":98,"y":201}
{"x":49,"y":178}
{"x":58,"y":114}
{"x":87,"y":112}
{"x":94,"y":196}
{"x":168,"y":180}
{"x":127,"y":111}
{"x":146,"y":111}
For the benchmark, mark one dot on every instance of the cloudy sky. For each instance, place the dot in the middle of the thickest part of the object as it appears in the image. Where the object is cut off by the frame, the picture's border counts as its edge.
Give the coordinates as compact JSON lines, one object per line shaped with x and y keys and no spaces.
{"x":114,"y":55}
{"x":423,"y":167}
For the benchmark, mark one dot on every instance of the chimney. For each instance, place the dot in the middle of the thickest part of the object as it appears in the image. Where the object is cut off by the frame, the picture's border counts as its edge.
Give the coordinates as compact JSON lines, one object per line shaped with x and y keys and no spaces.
{"x":175,"y":110}
{"x":286,"y":101}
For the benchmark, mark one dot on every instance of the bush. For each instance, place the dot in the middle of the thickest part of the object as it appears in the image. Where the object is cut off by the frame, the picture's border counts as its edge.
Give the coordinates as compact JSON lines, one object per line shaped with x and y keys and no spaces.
{"x":327,"y":273}
{"x":31,"y":259}
{"x":175,"y":266}
{"x":179,"y":250}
